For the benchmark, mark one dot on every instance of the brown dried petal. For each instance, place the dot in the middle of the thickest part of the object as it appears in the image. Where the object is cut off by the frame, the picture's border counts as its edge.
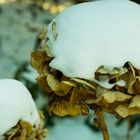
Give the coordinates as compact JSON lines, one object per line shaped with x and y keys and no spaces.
{"x":59,"y":88}
{"x":42,"y":81}
{"x":40,"y":61}
{"x":58,"y":108}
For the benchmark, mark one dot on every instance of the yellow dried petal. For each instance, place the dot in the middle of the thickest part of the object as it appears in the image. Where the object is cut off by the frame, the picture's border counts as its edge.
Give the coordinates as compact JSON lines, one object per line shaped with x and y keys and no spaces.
{"x":58,"y":108}
{"x":69,"y":83}
{"x":83,"y":82}
{"x":121,"y":96}
{"x":122,"y":111}
{"x":65,"y":87}
{"x":27,"y":126}
{"x":53,"y":83}
{"x":135,"y":102}
{"x":73,"y":109}
{"x":109,"y":97}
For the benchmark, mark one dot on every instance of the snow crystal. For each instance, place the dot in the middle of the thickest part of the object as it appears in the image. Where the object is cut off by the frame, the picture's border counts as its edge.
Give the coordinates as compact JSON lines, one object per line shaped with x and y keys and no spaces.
{"x":88,"y":35}
{"x":16,"y":104}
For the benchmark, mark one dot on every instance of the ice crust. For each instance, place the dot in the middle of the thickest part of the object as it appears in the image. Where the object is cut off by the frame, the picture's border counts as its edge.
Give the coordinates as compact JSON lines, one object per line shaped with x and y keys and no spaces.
{"x":16,"y":104}
{"x":88,"y":35}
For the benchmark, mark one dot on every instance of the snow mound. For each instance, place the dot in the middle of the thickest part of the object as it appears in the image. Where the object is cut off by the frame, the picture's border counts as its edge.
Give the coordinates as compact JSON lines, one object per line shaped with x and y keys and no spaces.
{"x":88,"y":35}
{"x":16,"y":104}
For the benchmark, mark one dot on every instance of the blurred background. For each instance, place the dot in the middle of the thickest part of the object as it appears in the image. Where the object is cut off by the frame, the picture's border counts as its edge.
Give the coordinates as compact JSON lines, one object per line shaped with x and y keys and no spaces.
{"x":21,"y":21}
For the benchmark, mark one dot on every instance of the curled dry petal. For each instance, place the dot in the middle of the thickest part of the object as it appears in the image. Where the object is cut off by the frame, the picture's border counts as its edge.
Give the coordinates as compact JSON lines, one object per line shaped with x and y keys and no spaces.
{"x":60,"y":88}
{"x":40,"y":61}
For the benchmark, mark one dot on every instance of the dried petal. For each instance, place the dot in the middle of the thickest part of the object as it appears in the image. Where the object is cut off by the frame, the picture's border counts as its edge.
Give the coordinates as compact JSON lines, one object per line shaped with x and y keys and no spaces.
{"x":84,"y":83}
{"x":39,"y":61}
{"x":122,"y":110}
{"x":135,"y":102}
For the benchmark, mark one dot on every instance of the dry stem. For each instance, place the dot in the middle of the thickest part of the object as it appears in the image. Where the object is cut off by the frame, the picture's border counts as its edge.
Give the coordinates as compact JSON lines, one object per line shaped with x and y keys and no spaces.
{"x":103,"y":125}
{"x":129,"y":129}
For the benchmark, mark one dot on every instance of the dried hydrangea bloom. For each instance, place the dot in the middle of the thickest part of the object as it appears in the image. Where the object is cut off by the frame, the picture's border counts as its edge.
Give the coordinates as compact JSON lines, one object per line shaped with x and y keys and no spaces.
{"x":85,"y":60}
{"x":84,"y":48}
{"x":19,"y":118}
{"x":74,"y":96}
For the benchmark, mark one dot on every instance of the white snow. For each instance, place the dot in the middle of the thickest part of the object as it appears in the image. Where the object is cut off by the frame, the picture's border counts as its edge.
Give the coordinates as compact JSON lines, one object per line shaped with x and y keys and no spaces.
{"x":16,"y":104}
{"x":88,"y":35}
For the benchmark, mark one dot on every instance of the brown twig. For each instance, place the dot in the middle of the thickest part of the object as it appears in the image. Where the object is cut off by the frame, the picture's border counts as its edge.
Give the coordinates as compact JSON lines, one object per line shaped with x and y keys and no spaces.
{"x":103,"y":125}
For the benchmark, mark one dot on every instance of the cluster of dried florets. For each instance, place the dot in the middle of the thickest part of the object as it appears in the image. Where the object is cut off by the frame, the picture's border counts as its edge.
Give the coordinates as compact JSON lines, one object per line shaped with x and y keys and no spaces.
{"x":19,"y":118}
{"x":25,"y":131}
{"x":73,"y":96}
{"x":70,"y":67}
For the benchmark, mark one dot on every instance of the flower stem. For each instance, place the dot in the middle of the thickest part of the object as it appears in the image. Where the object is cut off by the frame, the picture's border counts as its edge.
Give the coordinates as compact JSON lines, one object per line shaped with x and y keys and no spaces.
{"x":103,"y":125}
{"x":129,"y":129}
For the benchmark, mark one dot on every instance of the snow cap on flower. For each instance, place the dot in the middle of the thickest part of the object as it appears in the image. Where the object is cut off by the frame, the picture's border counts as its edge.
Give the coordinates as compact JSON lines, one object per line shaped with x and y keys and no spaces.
{"x":88,"y":35}
{"x":16,"y":104}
